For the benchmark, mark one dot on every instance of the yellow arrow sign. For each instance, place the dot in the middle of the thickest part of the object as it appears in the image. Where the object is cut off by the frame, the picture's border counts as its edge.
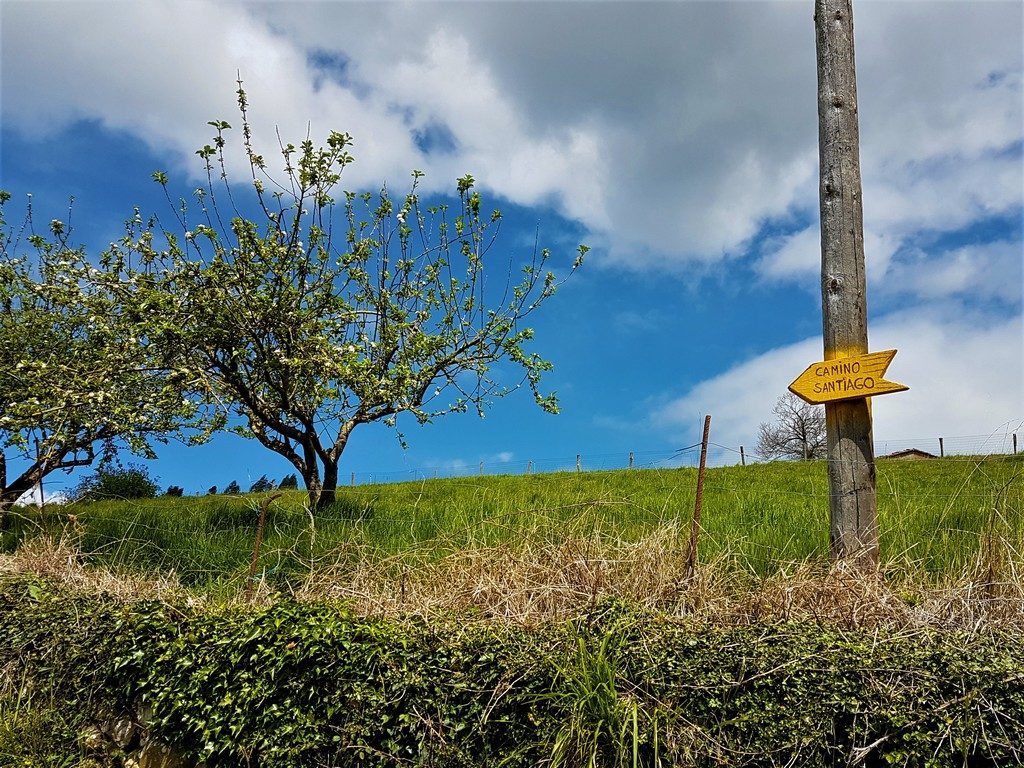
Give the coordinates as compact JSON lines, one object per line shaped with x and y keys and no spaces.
{"x":847,"y":378}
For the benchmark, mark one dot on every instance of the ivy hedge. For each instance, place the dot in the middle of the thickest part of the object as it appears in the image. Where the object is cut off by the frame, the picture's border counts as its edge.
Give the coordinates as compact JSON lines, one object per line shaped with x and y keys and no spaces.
{"x":306,"y":684}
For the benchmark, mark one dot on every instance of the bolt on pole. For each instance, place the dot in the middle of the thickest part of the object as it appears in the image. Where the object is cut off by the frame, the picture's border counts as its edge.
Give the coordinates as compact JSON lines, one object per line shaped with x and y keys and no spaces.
{"x":851,"y":462}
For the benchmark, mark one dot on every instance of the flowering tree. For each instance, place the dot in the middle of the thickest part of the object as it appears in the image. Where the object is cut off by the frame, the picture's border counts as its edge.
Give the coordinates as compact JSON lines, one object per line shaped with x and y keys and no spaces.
{"x":309,"y":317}
{"x":75,"y":371}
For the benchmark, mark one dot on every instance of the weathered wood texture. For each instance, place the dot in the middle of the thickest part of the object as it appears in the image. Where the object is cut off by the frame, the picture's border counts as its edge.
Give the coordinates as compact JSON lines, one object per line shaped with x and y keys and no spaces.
{"x":851,"y":464}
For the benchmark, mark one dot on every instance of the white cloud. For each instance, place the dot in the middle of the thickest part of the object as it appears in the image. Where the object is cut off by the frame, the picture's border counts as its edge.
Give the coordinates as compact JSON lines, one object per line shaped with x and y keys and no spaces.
{"x":639,"y":320}
{"x":966,"y":377}
{"x":672,"y":130}
{"x":33,"y":497}
{"x":945,"y":196}
{"x":459,"y":465}
{"x":164,"y":81}
{"x":161,"y":70}
{"x":700,"y":119}
{"x":449,"y":84}
{"x":940,"y":136}
{"x":738,"y":399}
{"x":990,"y":271}
{"x":798,"y":256}
{"x":984,"y":271}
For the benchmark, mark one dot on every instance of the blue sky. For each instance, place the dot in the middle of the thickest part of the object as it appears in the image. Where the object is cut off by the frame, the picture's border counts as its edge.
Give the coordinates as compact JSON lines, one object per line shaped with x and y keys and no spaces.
{"x":678,"y":140}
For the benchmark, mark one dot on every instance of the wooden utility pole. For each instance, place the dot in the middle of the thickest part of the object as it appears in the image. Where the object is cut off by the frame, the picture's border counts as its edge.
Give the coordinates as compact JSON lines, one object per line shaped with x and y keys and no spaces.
{"x":851,"y":461}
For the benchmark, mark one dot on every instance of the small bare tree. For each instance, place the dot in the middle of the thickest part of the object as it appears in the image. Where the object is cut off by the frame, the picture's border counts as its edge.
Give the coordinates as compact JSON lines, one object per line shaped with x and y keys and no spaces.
{"x":797,"y":433}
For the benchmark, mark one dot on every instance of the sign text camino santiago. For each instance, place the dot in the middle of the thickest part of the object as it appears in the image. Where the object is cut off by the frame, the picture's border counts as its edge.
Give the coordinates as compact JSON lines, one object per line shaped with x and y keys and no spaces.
{"x":846,"y":378}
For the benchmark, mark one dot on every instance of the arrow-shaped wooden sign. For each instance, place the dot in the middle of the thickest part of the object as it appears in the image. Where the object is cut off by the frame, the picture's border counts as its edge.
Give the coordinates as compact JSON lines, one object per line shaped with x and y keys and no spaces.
{"x":846,"y":378}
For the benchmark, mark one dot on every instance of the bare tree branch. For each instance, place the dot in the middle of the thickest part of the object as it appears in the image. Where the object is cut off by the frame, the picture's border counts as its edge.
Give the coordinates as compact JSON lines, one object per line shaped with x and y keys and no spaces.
{"x":798,"y":431}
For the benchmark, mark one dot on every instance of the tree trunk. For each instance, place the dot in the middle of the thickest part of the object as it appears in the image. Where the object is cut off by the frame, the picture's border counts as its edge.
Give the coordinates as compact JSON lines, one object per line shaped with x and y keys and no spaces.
{"x":13,"y":492}
{"x":329,"y":492}
{"x":851,"y":463}
{"x":311,"y":477}
{"x":322,"y":492}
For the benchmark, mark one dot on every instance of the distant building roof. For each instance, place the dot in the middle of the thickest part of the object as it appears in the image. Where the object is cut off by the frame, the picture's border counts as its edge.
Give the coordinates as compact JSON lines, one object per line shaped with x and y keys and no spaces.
{"x":910,"y":453}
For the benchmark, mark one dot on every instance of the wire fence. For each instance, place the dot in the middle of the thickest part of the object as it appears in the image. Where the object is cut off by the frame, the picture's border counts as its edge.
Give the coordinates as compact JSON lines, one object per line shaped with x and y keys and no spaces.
{"x":718,"y":456}
{"x":938,"y":518}
{"x":58,"y":487}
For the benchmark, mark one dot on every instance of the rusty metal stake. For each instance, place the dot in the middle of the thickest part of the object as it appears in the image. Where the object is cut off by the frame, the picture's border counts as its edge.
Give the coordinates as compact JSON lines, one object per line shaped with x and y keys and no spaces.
{"x":691,"y":555}
{"x":259,"y":539}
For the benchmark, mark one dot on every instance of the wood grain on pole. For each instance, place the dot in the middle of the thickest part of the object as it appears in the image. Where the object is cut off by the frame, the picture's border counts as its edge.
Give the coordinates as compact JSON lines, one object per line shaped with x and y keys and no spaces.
{"x":851,"y":465}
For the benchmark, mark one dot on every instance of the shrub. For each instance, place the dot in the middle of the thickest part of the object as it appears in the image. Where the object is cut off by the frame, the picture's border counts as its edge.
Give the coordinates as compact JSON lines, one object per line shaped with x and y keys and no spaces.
{"x":116,"y":482}
{"x":289,"y":482}
{"x":174,"y":490}
{"x":262,"y":485}
{"x":294,"y":685}
{"x":233,"y":488}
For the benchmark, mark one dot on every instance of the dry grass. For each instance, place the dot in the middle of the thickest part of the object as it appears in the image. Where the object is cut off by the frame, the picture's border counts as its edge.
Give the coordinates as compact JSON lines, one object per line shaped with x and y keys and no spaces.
{"x":523,"y":582}
{"x":533,"y":582}
{"x":59,"y":561}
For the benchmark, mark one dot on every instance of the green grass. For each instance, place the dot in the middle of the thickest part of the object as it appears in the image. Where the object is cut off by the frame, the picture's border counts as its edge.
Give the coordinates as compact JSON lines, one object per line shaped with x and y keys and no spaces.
{"x":40,"y":732}
{"x":934,"y":518}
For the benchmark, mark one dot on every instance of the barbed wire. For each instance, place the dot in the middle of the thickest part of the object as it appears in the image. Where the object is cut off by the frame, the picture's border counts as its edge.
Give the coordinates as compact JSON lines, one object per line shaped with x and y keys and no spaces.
{"x":732,"y":484}
{"x":955,"y":449}
{"x":210,"y":537}
{"x":718,"y":455}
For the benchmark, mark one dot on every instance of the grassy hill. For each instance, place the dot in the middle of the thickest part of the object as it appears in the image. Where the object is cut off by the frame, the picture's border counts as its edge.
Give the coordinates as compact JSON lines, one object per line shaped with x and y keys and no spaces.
{"x":537,"y":620}
{"x":938,"y":519}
